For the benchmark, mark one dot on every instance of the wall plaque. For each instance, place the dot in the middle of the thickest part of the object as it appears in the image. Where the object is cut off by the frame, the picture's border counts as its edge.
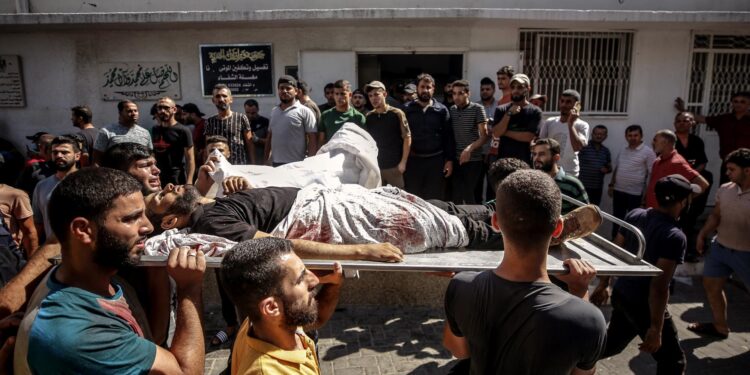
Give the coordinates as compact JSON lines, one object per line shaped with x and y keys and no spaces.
{"x":245,"y":68}
{"x":139,"y":80}
{"x":11,"y":82}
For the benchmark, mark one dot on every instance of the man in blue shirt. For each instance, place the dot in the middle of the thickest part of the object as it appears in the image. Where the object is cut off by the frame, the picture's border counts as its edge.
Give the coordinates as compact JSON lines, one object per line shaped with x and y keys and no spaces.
{"x":79,"y":320}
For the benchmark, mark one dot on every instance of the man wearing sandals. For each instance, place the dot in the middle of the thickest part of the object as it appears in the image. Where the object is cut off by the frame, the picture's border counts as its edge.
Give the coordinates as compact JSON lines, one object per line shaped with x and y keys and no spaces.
{"x":730,"y":249}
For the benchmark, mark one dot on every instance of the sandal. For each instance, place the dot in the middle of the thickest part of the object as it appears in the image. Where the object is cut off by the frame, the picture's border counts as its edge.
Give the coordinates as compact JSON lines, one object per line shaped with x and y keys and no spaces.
{"x":708,"y":329}
{"x":220,"y":338}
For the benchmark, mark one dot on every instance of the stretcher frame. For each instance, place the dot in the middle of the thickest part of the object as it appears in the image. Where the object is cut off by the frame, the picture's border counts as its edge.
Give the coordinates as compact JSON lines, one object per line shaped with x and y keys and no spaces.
{"x":608,"y":258}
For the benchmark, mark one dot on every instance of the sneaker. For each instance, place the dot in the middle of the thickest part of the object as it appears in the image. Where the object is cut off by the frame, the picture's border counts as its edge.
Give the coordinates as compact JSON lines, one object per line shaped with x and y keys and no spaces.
{"x":579,"y":223}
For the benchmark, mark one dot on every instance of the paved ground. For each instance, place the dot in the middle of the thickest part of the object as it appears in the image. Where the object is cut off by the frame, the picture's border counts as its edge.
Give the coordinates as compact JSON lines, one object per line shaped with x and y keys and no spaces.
{"x":407,"y":340}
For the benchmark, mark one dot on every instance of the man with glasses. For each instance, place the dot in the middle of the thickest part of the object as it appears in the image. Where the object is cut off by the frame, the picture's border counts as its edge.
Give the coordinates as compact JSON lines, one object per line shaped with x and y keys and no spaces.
{"x":172,"y":141}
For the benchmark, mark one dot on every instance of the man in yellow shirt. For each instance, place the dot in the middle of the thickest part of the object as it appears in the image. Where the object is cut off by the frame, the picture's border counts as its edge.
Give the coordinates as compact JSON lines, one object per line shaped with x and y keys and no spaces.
{"x":270,"y":284}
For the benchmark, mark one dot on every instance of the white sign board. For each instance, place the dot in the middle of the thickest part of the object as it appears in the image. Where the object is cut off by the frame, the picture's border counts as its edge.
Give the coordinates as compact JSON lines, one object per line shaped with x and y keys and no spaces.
{"x":11,"y":82}
{"x":139,"y":80}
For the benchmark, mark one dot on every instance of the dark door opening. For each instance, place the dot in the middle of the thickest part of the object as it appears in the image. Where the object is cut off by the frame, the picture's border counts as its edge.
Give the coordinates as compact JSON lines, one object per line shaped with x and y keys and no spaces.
{"x":404,"y":68}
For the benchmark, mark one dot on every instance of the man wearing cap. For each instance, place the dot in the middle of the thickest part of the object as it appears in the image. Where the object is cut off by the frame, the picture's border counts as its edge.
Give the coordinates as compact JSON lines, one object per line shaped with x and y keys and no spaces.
{"x":640,"y":303}
{"x":670,"y":162}
{"x":469,"y":124}
{"x":730,"y":249}
{"x":259,"y":126}
{"x":125,"y":130}
{"x":233,"y":126}
{"x":292,"y":132}
{"x":193,"y":116}
{"x":333,"y":119}
{"x":568,"y":130}
{"x":516,"y":123}
{"x":388,"y":127}
{"x":433,"y":147}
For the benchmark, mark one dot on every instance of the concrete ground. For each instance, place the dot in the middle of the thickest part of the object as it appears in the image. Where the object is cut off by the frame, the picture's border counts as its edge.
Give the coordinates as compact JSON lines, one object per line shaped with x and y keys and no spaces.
{"x":398,"y":339}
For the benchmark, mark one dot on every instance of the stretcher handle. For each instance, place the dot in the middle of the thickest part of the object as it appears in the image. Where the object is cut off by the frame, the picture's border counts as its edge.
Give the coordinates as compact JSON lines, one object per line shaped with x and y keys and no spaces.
{"x":622,"y":223}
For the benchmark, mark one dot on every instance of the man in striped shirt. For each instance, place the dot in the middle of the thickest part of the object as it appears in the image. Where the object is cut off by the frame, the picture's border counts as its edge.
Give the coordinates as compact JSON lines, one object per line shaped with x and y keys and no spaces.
{"x":632,"y":168}
{"x":596,"y":162}
{"x":545,"y":153}
{"x":234,"y":126}
{"x":469,"y":123}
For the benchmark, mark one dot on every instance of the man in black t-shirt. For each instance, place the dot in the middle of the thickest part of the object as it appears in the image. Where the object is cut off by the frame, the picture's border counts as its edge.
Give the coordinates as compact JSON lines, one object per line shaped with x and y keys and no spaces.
{"x":259,"y":127}
{"x":640,"y":303}
{"x":81,"y":118}
{"x":513,"y":320}
{"x":517,"y":122}
{"x":172,"y":142}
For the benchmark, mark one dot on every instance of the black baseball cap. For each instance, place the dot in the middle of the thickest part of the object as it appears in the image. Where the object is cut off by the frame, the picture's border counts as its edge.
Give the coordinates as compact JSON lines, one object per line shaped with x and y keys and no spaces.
{"x":674,"y":188}
{"x":36,"y":136}
{"x":287,"y":79}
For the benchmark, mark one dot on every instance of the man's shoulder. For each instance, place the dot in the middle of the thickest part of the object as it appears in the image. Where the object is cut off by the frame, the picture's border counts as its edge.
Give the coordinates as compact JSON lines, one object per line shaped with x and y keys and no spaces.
{"x":570,"y":179}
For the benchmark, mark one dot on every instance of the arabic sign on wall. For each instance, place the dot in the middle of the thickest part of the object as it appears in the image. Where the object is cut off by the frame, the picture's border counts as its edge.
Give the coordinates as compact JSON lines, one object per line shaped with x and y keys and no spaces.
{"x":245,"y":68}
{"x":11,"y":82}
{"x":139,"y":80}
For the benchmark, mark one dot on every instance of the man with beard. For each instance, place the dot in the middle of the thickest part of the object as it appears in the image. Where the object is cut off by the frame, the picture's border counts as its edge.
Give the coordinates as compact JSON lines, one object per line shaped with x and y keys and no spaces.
{"x":234,"y":126}
{"x":303,"y":95}
{"x":172,"y":142}
{"x":359,"y":101}
{"x":125,"y":130}
{"x":596,"y":162}
{"x":267,"y":281}
{"x":433,"y":147}
{"x":79,"y":320}
{"x":292,"y":132}
{"x":546,"y":155}
{"x":81,"y":119}
{"x":330,"y":100}
{"x":568,"y":130}
{"x":65,"y":155}
{"x":259,"y":126}
{"x":516,"y":122}
{"x":193,"y":116}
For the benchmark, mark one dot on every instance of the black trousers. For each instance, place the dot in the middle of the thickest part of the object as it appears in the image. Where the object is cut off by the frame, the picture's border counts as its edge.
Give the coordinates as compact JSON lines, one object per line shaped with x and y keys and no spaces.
{"x":631,"y":319}
{"x":464,"y":182}
{"x":424,"y":177}
{"x":622,"y":203}
{"x":227,"y":307}
{"x":476,"y":219}
{"x":595,"y":195}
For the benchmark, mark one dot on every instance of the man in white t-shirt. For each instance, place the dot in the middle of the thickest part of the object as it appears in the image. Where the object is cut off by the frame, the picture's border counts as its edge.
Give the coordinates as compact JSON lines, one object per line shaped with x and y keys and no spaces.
{"x":567,"y":129}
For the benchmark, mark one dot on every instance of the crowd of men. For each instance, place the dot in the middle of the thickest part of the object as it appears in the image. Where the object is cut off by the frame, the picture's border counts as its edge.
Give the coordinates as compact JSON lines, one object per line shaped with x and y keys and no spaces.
{"x":96,"y":194}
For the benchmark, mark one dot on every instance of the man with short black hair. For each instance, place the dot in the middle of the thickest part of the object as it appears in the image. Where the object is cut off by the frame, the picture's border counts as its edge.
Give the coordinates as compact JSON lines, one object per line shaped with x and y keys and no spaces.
{"x":568,"y":130}
{"x":504,"y":75}
{"x":259,"y":126}
{"x":292,"y":130}
{"x":330,"y":100}
{"x":516,"y":122}
{"x":81,"y":117}
{"x":193,"y":116}
{"x":433,"y":147}
{"x":65,"y":155}
{"x":596,"y":162}
{"x":173,"y":142}
{"x":359,"y":101}
{"x":266,"y":280}
{"x":388,"y":127}
{"x":79,"y":320}
{"x":303,"y":95}
{"x":546,"y":155}
{"x":333,"y":119}
{"x":730,"y":248}
{"x":234,"y":126}
{"x":137,"y":161}
{"x":469,"y":124}
{"x":640,"y":303}
{"x":513,"y":320}
{"x":125,"y":130}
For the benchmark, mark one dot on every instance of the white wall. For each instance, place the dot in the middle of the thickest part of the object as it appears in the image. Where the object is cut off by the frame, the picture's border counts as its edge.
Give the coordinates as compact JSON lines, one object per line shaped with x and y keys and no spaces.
{"x":76,"y":6}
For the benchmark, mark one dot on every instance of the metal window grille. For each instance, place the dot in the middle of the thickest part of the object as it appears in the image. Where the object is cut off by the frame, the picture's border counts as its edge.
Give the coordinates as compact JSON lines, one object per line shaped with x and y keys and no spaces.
{"x":597,"y":64}
{"x":720,"y":67}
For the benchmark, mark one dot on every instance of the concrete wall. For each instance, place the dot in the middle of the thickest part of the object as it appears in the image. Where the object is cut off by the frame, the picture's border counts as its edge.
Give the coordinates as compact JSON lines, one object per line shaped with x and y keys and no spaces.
{"x":76,"y":6}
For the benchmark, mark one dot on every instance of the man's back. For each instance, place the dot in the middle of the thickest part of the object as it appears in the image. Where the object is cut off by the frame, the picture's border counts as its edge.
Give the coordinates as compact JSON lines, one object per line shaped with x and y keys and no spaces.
{"x":523,"y":327}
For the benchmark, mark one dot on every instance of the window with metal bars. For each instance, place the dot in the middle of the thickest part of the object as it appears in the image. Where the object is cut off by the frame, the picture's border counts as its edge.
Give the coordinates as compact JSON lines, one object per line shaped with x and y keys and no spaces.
{"x":597,"y":64}
{"x":720,"y":66}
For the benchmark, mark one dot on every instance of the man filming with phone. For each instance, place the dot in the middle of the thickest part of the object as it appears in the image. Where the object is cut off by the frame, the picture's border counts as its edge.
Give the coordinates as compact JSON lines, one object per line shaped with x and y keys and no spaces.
{"x":567,"y":129}
{"x":516,"y":122}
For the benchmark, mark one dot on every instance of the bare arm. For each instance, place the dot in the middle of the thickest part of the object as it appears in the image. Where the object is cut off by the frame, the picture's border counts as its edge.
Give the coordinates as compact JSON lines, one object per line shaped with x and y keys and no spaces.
{"x":577,"y":141}
{"x":312,"y":144}
{"x":190,"y":161}
{"x":158,"y":306}
{"x":187,"y":354}
{"x":458,"y":346}
{"x":379,"y":252}
{"x":520,"y":136}
{"x":700,"y":181}
{"x":406,"y":148}
{"x":249,"y":146}
{"x":657,"y":303}
{"x":16,"y":293}
{"x":466,"y":153}
{"x":502,"y":127}
{"x":30,"y":238}
{"x":267,"y":155}
{"x":708,"y":228}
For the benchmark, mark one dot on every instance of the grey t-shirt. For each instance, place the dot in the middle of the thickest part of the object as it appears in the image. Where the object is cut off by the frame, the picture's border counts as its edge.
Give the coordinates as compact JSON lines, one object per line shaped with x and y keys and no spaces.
{"x":116,"y":133}
{"x":289,"y":128}
{"x":523,"y":327}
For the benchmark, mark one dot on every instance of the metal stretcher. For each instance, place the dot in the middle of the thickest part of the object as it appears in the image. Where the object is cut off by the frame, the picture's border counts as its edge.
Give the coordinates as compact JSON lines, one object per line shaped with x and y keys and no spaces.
{"x":608,"y":258}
